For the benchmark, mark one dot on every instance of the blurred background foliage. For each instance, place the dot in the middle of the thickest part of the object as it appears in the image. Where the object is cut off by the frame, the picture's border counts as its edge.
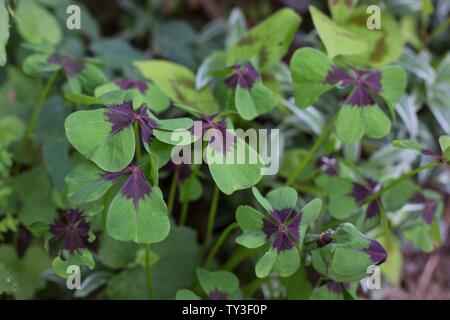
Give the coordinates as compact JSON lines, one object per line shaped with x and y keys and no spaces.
{"x":188,"y":32}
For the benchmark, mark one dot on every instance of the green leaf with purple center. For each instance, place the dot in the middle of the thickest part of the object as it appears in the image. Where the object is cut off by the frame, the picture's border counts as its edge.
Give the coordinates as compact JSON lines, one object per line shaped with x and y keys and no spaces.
{"x":423,"y":229}
{"x":138,"y":212}
{"x":281,"y":225}
{"x":237,"y":166}
{"x":314,"y":73}
{"x":347,"y":257}
{"x":106,"y":137}
{"x":83,"y":75}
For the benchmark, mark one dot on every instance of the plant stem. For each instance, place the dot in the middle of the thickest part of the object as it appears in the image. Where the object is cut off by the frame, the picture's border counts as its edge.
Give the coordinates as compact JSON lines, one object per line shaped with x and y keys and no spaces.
{"x":238,"y":256}
{"x":219,"y":243}
{"x":36,"y":112}
{"x":104,"y":212}
{"x":148,"y":271}
{"x":440,"y":28}
{"x":393,"y":183}
{"x":212,"y":215}
{"x":253,"y":286}
{"x":137,"y":136}
{"x":185,"y":205}
{"x":148,"y":268}
{"x":172,"y":191}
{"x":302,"y":165}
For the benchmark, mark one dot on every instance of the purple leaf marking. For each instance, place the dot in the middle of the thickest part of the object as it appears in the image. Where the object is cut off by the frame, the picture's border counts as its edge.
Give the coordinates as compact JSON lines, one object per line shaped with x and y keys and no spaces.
{"x":123,"y":115}
{"x":126,"y":84}
{"x":217,"y":295}
{"x":376,"y":252}
{"x":244,"y":76}
{"x":284,"y":233}
{"x":136,"y":187}
{"x":362,"y":82}
{"x":73,"y":228}
{"x":70,"y":67}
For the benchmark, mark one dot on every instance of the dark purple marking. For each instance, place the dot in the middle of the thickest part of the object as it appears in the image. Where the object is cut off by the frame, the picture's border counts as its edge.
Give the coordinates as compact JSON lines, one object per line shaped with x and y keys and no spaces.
{"x":324,"y":239}
{"x":362,"y":82}
{"x":338,"y":75}
{"x":429,"y":204}
{"x":217,"y":295}
{"x":373,"y":210}
{"x":244,"y":76}
{"x":123,"y":115}
{"x":430,"y":153}
{"x":329,"y":165}
{"x":184,"y":172}
{"x":126,"y":84}
{"x":348,"y":3}
{"x":120,"y":116}
{"x":70,"y":67}
{"x":361,"y":192}
{"x":214,"y":129}
{"x":146,"y":123}
{"x":114,"y":176}
{"x":336,"y":287}
{"x":136,"y":187}
{"x":359,"y":97}
{"x":285,"y":233}
{"x":73,"y":228}
{"x":376,"y":252}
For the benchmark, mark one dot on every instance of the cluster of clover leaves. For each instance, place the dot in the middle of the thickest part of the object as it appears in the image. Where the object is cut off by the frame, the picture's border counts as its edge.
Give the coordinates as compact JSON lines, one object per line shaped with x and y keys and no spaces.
{"x":125,"y":143}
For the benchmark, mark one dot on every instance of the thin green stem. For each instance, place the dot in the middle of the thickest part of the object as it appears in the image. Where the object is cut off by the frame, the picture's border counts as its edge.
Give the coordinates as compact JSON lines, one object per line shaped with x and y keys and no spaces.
{"x":383,"y":216}
{"x":104,"y":212}
{"x":212,"y":215}
{"x":302,"y":165}
{"x":36,"y":112}
{"x":219,"y":242}
{"x":185,"y":204}
{"x":239,"y":255}
{"x":148,"y":271}
{"x":137,"y":136}
{"x":393,"y":183}
{"x":440,"y":28}
{"x":254,"y":286}
{"x":172,"y":191}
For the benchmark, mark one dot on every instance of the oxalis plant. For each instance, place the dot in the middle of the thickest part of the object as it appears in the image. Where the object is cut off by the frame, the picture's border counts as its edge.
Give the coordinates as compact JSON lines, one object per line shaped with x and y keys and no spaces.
{"x":124,"y":176}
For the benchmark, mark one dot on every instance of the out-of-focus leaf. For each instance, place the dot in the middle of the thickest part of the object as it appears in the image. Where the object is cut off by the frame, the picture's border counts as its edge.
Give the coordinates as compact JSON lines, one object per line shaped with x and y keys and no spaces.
{"x":11,"y":129}
{"x":267,"y":42}
{"x":33,"y":188}
{"x":4,"y":32}
{"x":117,"y":55}
{"x":393,"y":267}
{"x":178,"y":82}
{"x":336,"y":39}
{"x":36,"y":24}
{"x":407,"y":108}
{"x":26,"y":271}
